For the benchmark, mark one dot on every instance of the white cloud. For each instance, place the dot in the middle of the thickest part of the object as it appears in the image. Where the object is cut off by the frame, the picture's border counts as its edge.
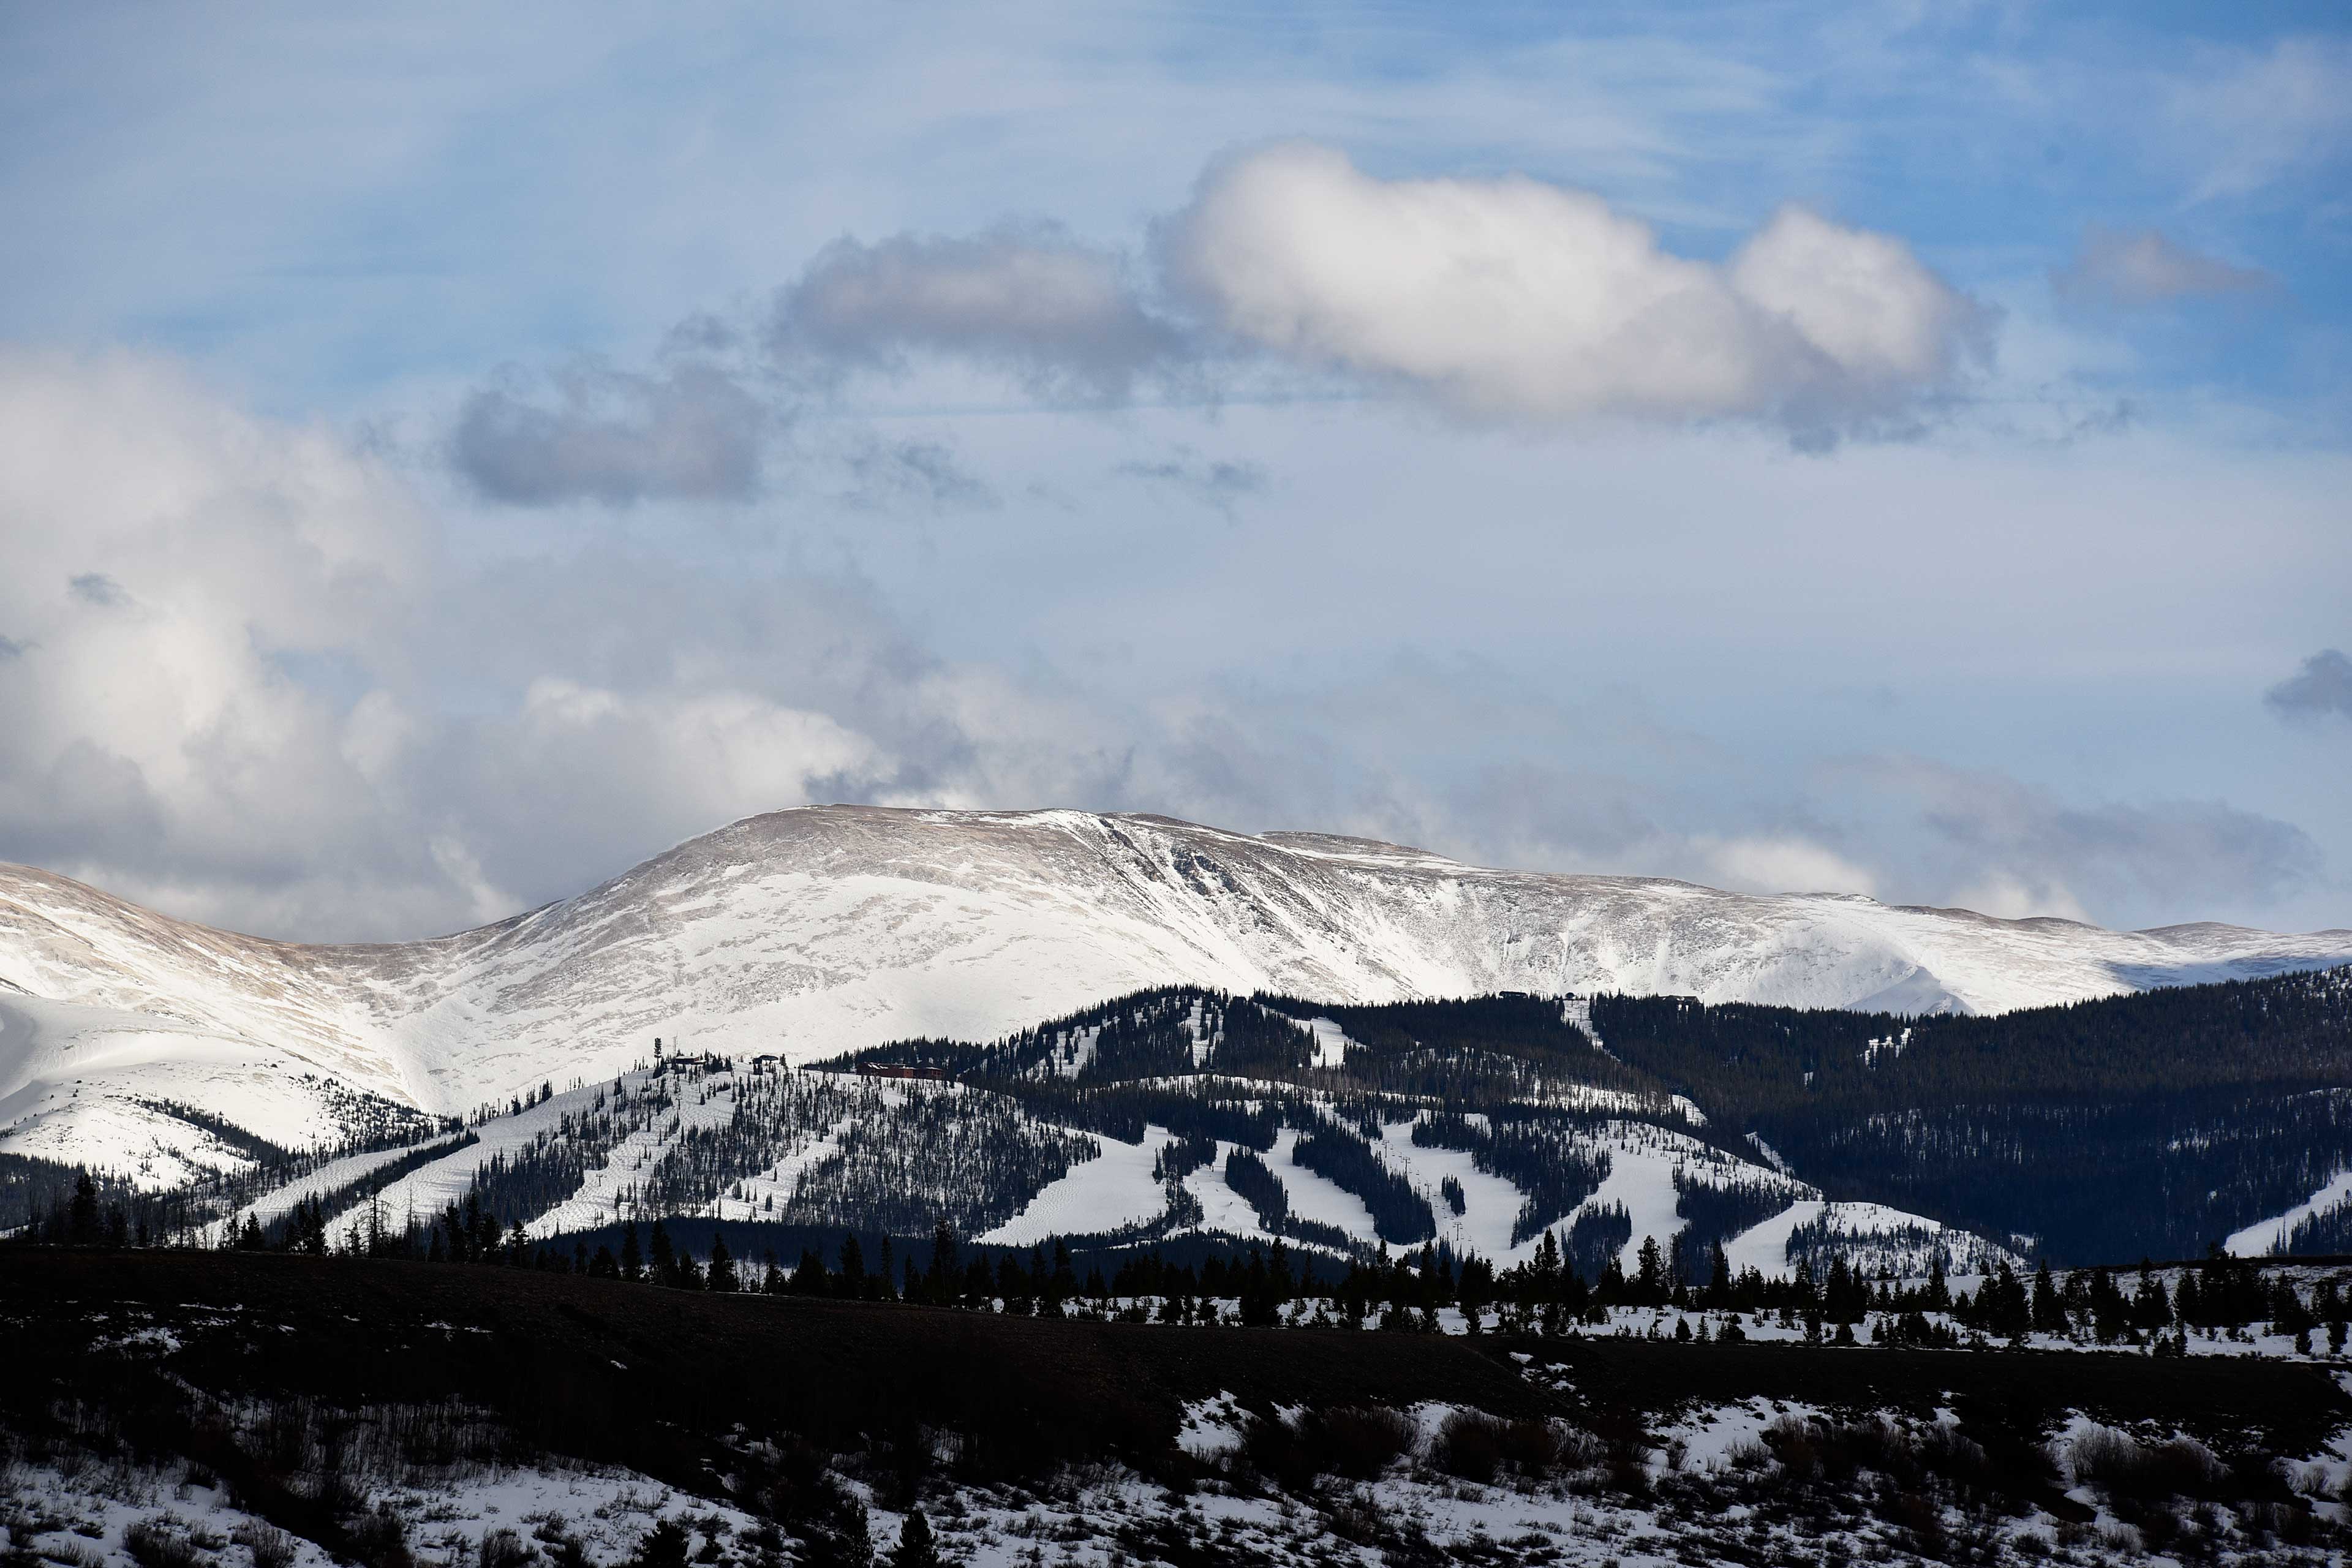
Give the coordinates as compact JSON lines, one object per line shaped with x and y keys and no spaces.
{"x":168,"y":560}
{"x":2250,"y":119}
{"x":2019,"y":898}
{"x":1515,"y":298}
{"x":1783,"y":864}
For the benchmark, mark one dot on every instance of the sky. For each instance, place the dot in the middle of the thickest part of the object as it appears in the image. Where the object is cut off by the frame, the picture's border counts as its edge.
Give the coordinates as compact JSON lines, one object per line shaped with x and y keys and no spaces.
{"x":450,"y":454}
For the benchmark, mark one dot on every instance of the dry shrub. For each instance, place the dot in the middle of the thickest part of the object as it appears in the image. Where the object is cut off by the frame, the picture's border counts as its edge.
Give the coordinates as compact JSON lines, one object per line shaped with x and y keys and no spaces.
{"x":505,"y":1549}
{"x":2123,"y":1467}
{"x":1362,"y":1440}
{"x":271,"y":1547}
{"x":155,"y":1543}
{"x":1476,"y":1446}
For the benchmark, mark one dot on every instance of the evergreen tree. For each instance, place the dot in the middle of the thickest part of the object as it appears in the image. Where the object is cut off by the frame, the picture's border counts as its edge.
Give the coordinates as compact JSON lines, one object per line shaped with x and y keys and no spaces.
{"x":809,"y":1277}
{"x":853,"y":1267}
{"x":915,"y":1548}
{"x":81,"y":1215}
{"x":665,"y":1260}
{"x":722,"y":1265}
{"x":1650,"y":1277}
{"x":664,"y":1546}
{"x":939,"y":1285}
{"x":633,"y":1263}
{"x":2049,"y":1316}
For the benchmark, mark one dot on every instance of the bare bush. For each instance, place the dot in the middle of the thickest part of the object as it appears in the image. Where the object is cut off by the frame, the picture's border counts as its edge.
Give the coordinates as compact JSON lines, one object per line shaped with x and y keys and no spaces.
{"x":2123,"y":1467}
{"x":271,"y":1546}
{"x":156,"y":1543}
{"x":1363,"y":1440}
{"x":505,"y":1549}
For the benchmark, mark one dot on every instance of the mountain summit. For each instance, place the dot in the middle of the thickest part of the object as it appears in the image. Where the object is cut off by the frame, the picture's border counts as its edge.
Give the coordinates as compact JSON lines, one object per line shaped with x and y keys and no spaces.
{"x":810,"y":932}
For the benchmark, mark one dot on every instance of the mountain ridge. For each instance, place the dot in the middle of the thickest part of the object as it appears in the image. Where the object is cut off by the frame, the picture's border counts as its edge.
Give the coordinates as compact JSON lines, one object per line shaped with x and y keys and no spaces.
{"x":819,"y":929}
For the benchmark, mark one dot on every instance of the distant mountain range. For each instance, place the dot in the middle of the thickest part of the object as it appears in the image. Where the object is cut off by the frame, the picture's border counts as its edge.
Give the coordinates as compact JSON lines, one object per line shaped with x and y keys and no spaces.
{"x":806,"y":932}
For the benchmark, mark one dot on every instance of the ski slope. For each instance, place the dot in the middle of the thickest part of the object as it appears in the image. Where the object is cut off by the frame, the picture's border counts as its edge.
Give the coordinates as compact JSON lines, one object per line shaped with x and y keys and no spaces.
{"x":806,"y":932}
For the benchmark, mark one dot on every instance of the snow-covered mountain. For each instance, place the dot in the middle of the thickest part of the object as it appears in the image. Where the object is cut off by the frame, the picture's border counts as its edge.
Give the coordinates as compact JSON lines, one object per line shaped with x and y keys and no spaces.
{"x":809,"y":932}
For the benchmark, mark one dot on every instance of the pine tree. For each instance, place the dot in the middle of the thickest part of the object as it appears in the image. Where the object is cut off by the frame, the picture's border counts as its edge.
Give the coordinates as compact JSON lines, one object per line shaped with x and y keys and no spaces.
{"x":941,"y":1283}
{"x":633,"y":1263}
{"x":2049,"y":1316}
{"x":664,"y":1546}
{"x":665,"y":1260}
{"x":1650,"y":1278}
{"x":81,"y":1214}
{"x":915,"y":1548}
{"x":722,"y":1267}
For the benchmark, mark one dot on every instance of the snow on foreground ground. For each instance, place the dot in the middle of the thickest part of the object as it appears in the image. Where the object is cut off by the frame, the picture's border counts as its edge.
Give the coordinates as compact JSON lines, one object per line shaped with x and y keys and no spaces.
{"x":1725,"y":1483}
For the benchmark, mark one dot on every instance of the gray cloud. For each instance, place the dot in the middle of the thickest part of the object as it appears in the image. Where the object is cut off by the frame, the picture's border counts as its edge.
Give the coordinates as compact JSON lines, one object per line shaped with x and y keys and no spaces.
{"x":2324,"y":686}
{"x":1215,"y":483}
{"x":11,"y":648}
{"x":884,"y":474}
{"x":2014,"y":849}
{"x":97,"y":588}
{"x":692,"y":433}
{"x":1061,"y":316}
{"x":2145,"y":267}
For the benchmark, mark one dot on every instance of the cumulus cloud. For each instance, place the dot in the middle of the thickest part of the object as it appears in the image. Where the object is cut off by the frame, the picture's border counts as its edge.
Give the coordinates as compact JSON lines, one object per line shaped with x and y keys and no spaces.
{"x":1029,"y":299}
{"x":592,"y":433}
{"x":1216,"y":483}
{"x":309,"y":720}
{"x":2146,"y":267}
{"x":2323,"y":687}
{"x":1510,"y":297}
{"x":166,"y":750}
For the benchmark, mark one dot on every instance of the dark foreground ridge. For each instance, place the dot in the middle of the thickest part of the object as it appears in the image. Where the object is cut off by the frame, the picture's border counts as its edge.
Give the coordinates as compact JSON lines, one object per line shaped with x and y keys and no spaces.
{"x":771,"y":1403}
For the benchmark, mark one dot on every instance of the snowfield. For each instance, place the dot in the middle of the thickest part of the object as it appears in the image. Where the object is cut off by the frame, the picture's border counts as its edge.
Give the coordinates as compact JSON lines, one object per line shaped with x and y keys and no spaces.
{"x":807,"y":932}
{"x":2265,"y":1237}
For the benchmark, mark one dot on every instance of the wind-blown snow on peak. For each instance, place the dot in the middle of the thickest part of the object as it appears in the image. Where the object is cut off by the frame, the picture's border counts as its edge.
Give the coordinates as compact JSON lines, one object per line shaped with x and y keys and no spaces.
{"x":809,"y":932}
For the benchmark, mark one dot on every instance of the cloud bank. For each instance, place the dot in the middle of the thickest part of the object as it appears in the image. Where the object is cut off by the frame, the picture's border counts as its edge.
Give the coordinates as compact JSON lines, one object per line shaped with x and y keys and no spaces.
{"x":1498,"y":299}
{"x":244,"y":680}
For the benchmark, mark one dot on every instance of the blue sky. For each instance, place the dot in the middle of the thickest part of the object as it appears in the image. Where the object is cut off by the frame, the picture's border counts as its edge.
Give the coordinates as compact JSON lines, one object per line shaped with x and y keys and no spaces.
{"x":1898,"y":450}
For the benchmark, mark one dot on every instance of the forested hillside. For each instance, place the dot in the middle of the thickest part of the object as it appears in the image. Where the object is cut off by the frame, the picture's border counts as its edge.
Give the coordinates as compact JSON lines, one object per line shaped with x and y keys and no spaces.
{"x":1487,"y":1128}
{"x":2143,"y":1125}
